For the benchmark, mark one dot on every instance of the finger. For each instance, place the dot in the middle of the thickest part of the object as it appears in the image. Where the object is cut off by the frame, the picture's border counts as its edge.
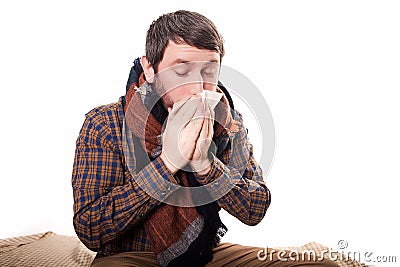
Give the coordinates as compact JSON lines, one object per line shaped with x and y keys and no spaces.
{"x":177,"y":106}
{"x":195,"y":127}
{"x":210,"y":119}
{"x":181,"y":103}
{"x":188,"y":110}
{"x":200,"y":141}
{"x":206,"y":138}
{"x":211,"y":113}
{"x":208,"y":123}
{"x":198,"y":118}
{"x":210,"y":128}
{"x":205,"y":129}
{"x":179,"y":117}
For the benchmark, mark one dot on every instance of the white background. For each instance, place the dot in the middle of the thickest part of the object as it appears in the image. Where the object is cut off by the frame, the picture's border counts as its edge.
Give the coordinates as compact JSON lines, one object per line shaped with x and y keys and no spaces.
{"x":329,"y":71}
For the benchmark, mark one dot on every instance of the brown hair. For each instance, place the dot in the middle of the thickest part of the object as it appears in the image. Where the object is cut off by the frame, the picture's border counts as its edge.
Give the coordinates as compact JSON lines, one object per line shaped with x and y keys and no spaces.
{"x":181,"y":27}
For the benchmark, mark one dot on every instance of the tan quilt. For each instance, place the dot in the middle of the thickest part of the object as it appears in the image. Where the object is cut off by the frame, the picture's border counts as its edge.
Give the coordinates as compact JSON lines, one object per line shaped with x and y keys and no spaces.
{"x":45,"y":249}
{"x":50,"y":249}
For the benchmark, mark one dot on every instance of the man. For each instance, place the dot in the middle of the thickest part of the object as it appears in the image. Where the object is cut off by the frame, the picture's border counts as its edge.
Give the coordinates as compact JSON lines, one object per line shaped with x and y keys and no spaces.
{"x":136,"y":159}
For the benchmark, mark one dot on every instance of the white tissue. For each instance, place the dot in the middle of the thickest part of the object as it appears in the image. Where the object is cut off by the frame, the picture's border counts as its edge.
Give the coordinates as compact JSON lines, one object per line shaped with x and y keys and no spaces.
{"x":212,"y":99}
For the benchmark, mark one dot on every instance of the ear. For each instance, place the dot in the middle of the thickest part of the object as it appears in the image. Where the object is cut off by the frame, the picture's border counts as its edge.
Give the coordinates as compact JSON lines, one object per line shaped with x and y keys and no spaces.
{"x":147,"y":69}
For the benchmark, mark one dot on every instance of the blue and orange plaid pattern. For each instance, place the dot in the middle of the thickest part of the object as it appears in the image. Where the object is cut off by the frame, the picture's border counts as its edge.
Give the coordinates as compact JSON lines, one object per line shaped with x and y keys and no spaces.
{"x":109,"y":206}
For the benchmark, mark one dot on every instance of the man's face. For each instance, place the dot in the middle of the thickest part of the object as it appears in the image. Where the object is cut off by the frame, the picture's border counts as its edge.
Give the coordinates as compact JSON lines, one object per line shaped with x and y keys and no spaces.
{"x":185,"y":71}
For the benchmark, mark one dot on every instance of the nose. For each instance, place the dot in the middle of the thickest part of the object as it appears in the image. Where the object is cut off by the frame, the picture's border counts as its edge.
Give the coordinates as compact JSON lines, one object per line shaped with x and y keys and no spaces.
{"x":198,"y":85}
{"x":196,"y":89}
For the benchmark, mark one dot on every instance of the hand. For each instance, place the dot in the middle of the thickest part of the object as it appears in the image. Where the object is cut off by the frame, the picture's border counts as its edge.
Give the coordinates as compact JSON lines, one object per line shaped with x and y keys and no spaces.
{"x":182,"y":130}
{"x":200,"y":161}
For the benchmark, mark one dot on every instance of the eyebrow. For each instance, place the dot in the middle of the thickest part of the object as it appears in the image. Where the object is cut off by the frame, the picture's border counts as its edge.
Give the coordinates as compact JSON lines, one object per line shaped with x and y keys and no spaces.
{"x":184,"y":61}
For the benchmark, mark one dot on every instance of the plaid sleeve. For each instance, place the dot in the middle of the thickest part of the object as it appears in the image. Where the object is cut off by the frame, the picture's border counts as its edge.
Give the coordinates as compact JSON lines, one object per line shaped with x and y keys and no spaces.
{"x":107,"y":198}
{"x":247,"y":197}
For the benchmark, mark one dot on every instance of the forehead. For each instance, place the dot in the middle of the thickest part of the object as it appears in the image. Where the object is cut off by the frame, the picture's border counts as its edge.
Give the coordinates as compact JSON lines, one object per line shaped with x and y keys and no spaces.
{"x":182,"y":53}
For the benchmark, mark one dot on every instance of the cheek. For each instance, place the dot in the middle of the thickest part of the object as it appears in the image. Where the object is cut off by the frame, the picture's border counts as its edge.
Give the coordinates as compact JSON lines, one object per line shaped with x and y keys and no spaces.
{"x":210,"y":86}
{"x":179,"y":93}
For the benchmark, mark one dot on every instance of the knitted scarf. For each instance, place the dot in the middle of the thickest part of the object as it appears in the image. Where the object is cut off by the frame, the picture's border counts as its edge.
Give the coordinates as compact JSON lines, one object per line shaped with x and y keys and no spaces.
{"x":180,"y":236}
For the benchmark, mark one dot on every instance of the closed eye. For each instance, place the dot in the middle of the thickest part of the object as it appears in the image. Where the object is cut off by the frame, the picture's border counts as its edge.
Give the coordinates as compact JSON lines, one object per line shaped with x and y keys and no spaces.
{"x":209,"y":73}
{"x":182,"y":74}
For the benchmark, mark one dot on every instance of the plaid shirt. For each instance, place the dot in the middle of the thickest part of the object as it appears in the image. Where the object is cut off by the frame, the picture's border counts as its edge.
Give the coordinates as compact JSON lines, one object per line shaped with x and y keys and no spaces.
{"x":109,"y":206}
